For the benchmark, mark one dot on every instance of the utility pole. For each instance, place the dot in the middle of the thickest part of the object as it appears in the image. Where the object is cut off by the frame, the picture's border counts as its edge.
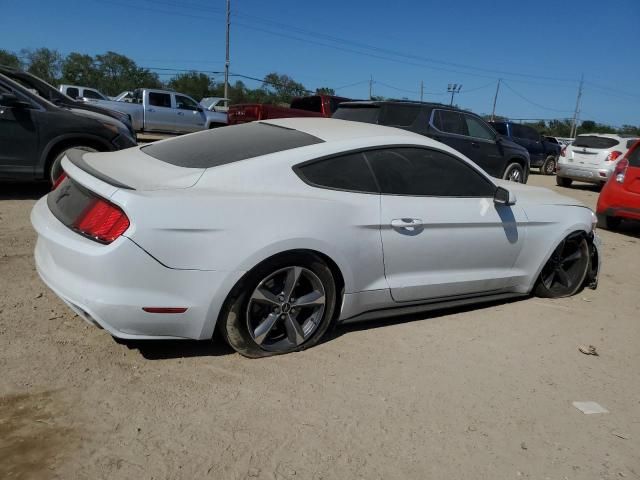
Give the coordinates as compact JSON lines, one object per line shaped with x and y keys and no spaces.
{"x":421,"y":90}
{"x":576,"y":112}
{"x":226,"y":63}
{"x":495,"y":99}
{"x":371,"y":88}
{"x":453,"y":88}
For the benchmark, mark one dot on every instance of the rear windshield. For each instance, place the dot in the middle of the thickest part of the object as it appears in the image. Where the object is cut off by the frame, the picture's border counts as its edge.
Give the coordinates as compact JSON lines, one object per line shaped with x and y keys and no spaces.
{"x":310,"y":104}
{"x":359,"y":113}
{"x":593,"y":141}
{"x":634,"y":156}
{"x":221,"y":146}
{"x":400,"y":115}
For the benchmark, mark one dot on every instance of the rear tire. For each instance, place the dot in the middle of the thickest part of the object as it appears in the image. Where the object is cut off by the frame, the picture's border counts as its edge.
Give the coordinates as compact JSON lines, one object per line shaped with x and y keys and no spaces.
{"x":549,"y":166}
{"x":608,"y":222}
{"x":565,"y":272}
{"x":56,"y":166}
{"x":263,"y":316}
{"x":514,"y":173}
{"x":563,"y":181}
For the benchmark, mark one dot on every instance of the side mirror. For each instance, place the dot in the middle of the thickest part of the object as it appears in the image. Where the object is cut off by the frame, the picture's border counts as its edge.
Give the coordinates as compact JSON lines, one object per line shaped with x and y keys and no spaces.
{"x":11,"y":100}
{"x":504,"y":197}
{"x":199,"y":108}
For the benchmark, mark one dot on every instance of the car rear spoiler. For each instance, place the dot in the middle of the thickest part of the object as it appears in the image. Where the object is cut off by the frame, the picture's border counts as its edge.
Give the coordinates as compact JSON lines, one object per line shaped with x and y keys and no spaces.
{"x":76,"y":156}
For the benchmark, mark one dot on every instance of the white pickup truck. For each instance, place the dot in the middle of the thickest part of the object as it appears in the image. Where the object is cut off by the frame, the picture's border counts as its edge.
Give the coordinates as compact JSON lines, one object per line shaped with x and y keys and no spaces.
{"x":165,"y":111}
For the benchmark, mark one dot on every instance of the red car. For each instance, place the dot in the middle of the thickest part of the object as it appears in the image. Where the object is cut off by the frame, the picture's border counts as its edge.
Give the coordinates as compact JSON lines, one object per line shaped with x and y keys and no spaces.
{"x":620,"y":196}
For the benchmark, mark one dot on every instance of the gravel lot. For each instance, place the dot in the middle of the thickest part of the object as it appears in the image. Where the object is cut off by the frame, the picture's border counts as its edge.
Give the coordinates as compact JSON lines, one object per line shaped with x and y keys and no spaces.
{"x":479,"y":393}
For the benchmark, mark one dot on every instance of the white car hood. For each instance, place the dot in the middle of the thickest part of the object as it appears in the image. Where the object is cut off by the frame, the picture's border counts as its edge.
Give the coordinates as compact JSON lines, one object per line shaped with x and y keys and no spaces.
{"x":140,"y":171}
{"x":529,"y":195}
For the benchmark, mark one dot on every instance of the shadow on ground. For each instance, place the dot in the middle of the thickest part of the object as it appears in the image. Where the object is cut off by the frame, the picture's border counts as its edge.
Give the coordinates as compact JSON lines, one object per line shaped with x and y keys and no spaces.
{"x":171,"y":349}
{"x":23,"y":190}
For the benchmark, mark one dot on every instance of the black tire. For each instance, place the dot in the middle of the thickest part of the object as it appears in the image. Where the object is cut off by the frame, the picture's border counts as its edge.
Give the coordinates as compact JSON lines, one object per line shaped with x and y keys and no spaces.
{"x":55,"y":170}
{"x":563,"y":181}
{"x":565,"y":272}
{"x":236,"y":319}
{"x":608,"y":222}
{"x":549,"y":166}
{"x":514,"y":172}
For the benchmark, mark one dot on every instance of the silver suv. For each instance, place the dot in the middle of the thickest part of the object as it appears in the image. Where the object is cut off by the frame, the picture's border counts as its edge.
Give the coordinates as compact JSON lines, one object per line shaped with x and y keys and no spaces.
{"x":591,"y":158}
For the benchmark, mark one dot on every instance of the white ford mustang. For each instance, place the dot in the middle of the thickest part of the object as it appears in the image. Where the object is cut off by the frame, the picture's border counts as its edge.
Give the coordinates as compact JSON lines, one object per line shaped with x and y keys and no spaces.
{"x":273,"y":231}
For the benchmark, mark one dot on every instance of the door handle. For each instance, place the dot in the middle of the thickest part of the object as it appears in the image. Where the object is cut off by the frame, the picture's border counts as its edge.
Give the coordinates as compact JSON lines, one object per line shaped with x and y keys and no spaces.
{"x":475,"y":145}
{"x":180,"y":113}
{"x":406,"y":222}
{"x":151,"y":110}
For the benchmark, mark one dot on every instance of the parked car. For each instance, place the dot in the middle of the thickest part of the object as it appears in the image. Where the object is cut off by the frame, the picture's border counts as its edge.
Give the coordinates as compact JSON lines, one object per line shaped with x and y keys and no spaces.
{"x":462,"y":130}
{"x":312,"y":106}
{"x":35,"y":134}
{"x":378,"y":222}
{"x":591,"y":158}
{"x":620,"y":196}
{"x":50,"y":93}
{"x":215,"y":104}
{"x":76,"y":91}
{"x":165,"y":111}
{"x":543,"y":154}
{"x":559,"y":140}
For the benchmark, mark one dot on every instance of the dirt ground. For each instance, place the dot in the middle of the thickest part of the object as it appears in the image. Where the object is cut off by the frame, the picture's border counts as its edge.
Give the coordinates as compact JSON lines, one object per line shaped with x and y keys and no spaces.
{"x":479,"y":393}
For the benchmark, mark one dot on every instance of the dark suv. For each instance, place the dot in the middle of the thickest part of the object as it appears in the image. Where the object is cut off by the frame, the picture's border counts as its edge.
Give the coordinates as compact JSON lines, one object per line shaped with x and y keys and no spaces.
{"x":461,"y":130}
{"x":35,"y":134}
{"x":542,"y":152}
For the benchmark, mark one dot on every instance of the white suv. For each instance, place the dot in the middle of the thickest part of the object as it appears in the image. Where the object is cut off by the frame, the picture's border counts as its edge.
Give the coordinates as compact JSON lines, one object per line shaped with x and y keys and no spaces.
{"x":591,"y":158}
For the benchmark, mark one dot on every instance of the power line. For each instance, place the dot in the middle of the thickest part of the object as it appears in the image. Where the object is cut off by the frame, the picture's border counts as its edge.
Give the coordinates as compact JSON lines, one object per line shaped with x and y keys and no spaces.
{"x":532,"y":102}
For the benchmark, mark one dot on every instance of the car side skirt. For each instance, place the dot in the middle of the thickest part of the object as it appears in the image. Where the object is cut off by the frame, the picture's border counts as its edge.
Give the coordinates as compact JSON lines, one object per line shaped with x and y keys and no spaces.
{"x":433,"y":305}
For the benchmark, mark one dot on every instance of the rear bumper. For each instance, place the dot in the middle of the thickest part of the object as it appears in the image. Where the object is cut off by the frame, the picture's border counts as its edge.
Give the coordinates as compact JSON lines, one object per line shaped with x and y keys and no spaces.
{"x":108,"y":285}
{"x":583,"y":174}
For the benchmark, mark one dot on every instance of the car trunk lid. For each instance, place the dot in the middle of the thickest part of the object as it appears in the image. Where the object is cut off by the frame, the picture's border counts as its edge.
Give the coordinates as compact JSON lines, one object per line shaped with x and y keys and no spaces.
{"x":134,"y":170}
{"x":592,"y":149}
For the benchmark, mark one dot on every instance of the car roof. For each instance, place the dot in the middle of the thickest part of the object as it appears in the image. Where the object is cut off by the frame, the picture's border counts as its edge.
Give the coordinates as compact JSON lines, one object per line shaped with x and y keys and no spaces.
{"x":401,"y":102}
{"x":335,"y":130}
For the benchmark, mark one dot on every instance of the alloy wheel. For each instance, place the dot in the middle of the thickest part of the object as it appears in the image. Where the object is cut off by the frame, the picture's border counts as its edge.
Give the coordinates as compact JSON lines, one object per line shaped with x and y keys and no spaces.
{"x":285,"y":309}
{"x":565,"y":271}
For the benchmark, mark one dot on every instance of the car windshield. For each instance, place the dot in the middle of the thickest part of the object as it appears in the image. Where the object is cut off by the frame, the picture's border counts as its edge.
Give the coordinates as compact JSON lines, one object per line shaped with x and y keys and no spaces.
{"x":358,"y":113}
{"x":221,"y":146}
{"x":595,"y":142}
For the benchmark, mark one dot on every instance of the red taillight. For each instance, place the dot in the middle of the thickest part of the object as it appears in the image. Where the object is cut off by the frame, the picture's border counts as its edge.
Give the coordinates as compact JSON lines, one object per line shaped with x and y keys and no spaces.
{"x":102,"y":220}
{"x":563,"y":151}
{"x":613,"y":156}
{"x":621,"y":170}
{"x":58,"y":181}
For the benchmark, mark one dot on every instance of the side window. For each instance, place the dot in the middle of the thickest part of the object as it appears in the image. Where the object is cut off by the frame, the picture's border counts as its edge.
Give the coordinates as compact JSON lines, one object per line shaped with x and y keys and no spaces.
{"x":634,"y":157}
{"x":531,"y":134}
{"x":160,"y":99}
{"x":450,"y":122}
{"x":185,"y":103}
{"x":347,"y":172}
{"x":92,"y":94}
{"x":399,"y":115}
{"x":426,"y":172}
{"x":478,"y":129}
{"x":519,"y":131}
{"x":73,"y":92}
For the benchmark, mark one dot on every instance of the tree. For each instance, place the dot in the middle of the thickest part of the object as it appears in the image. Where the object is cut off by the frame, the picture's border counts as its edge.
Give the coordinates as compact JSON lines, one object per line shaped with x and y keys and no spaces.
{"x":79,"y":69}
{"x":325,"y":91}
{"x":282,"y":88}
{"x":44,"y":63}
{"x":118,"y":73}
{"x":9,"y":59}
{"x":194,"y":84}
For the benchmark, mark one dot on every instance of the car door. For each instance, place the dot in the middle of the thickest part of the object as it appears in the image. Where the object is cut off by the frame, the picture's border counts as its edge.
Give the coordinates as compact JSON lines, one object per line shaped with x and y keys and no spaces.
{"x":442,"y":234}
{"x":535,"y":146}
{"x":450,"y":128}
{"x":483,"y":142}
{"x":189,"y":116}
{"x":158,"y":113}
{"x":19,"y":137}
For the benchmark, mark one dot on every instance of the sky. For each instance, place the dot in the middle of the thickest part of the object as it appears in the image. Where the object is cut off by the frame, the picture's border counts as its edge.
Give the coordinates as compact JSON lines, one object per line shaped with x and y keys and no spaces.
{"x":539,"y":49}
